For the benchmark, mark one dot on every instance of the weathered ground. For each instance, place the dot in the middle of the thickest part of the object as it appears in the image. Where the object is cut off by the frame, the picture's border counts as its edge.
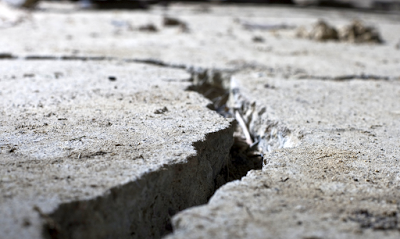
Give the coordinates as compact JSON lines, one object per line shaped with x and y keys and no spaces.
{"x":103,"y":149}
{"x":337,"y":179}
{"x":326,"y":115}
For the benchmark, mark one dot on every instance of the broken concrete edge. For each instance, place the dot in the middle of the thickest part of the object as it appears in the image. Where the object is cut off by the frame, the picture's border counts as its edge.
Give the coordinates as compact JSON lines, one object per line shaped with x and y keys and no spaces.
{"x":142,"y":206}
{"x":222,"y":206}
{"x":152,"y":217}
{"x":147,"y":203}
{"x":268,"y":137}
{"x":272,"y":134}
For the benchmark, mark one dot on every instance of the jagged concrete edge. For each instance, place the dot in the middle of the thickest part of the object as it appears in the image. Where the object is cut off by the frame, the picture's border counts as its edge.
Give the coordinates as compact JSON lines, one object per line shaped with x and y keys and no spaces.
{"x":142,"y":208}
{"x":274,"y":134}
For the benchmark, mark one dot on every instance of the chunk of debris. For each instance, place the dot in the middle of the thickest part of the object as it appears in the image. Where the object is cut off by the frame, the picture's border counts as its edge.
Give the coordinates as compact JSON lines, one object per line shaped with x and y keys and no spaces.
{"x":161,"y":111}
{"x":174,"y":22}
{"x":148,"y":28}
{"x":357,"y":32}
{"x":258,"y":39}
{"x":322,"y":31}
{"x":170,"y":21}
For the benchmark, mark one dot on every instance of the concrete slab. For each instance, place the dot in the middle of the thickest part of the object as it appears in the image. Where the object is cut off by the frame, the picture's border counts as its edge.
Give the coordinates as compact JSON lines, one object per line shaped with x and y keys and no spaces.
{"x":331,"y":152}
{"x":217,"y":38}
{"x":326,"y":114}
{"x":102,"y":149}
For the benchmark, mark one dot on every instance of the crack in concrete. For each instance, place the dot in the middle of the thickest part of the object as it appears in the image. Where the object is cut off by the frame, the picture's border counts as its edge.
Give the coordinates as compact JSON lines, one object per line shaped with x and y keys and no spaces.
{"x":149,"y":216}
{"x":349,"y":77}
{"x":150,"y":61}
{"x":215,"y":85}
{"x":141,"y":208}
{"x":218,"y":86}
{"x":201,"y":76}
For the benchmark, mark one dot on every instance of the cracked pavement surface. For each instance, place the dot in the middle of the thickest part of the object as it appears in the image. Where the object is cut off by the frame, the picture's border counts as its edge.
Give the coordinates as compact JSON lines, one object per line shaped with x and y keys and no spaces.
{"x":325,"y":113}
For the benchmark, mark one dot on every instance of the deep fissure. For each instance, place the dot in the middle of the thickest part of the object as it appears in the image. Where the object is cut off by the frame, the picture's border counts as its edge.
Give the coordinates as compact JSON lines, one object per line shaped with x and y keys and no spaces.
{"x":214,"y":85}
{"x":76,"y":216}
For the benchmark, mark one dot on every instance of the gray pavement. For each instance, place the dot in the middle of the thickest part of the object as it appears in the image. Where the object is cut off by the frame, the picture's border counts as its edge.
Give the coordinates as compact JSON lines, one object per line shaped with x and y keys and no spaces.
{"x":325,"y":115}
{"x":331,"y":152}
{"x":103,"y":149}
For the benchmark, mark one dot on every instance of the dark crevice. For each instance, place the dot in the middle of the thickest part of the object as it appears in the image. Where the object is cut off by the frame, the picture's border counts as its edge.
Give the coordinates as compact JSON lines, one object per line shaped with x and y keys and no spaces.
{"x":143,"y":207}
{"x":214,"y":85}
{"x":124,"y":211}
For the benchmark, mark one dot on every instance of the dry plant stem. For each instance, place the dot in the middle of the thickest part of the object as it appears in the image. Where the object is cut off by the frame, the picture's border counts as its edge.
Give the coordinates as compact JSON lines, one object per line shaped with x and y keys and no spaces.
{"x":242,"y":124}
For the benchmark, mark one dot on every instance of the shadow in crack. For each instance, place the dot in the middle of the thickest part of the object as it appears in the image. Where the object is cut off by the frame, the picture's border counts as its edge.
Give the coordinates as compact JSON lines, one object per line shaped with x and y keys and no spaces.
{"x":142,"y":208}
{"x":215,"y":85}
{"x":242,"y":159}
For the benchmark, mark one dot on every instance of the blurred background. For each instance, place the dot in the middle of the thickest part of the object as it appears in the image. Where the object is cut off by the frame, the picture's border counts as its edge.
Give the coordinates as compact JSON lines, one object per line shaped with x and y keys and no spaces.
{"x":372,"y":5}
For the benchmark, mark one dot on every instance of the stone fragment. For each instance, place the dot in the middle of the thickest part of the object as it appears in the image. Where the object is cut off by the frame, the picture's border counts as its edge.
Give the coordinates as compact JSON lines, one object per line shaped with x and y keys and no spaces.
{"x":322,"y":31}
{"x":148,"y":28}
{"x":357,"y":32}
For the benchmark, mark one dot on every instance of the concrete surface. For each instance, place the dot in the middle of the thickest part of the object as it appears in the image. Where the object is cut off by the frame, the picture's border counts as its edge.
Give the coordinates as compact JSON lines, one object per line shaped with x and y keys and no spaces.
{"x":102,"y":149}
{"x":216,"y":38}
{"x":331,"y":147}
{"x":331,"y":152}
{"x":325,"y":114}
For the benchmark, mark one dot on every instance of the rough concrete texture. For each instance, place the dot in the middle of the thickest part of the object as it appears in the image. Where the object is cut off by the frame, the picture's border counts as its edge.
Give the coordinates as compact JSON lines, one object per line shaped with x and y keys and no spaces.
{"x":326,"y":115}
{"x":331,"y":147}
{"x":331,"y":152}
{"x":102,"y":149}
{"x":217,"y":37}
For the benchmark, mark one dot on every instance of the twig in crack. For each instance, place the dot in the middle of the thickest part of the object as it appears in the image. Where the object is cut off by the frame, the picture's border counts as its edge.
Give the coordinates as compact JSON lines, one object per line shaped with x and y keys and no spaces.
{"x":242,"y":124}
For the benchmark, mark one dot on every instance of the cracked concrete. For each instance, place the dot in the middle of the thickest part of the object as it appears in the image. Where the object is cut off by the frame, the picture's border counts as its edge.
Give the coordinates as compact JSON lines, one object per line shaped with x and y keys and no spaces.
{"x":227,"y":45}
{"x":103,"y":149}
{"x":339,"y":180}
{"x":325,"y":115}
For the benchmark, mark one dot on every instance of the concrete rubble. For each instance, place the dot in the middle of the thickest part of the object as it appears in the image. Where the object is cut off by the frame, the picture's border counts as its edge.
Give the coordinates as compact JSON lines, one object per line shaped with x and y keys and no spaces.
{"x":101,"y":138}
